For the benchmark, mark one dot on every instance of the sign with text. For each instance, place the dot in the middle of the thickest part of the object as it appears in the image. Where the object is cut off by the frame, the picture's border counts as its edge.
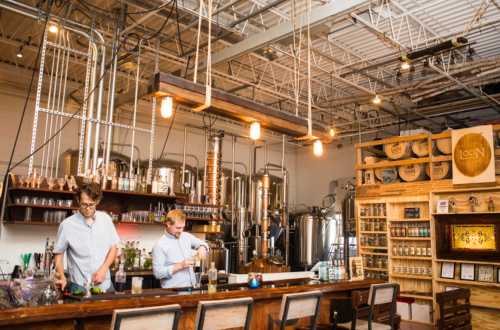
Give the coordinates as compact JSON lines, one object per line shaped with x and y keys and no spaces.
{"x":473,"y":155}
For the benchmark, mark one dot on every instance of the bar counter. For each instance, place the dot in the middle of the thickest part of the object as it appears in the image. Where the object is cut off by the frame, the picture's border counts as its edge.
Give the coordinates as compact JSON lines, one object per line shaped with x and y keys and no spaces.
{"x":96,"y":314}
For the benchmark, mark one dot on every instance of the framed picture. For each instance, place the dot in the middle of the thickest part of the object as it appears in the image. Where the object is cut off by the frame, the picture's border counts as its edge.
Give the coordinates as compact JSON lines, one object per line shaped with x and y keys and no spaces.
{"x":485,"y":273}
{"x":356,"y":268}
{"x":442,"y":206}
{"x":467,"y":272}
{"x":448,"y":270}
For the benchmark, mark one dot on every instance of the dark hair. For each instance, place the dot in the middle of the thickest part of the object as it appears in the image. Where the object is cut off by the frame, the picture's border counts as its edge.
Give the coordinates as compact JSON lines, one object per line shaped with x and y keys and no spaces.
{"x":92,"y":189}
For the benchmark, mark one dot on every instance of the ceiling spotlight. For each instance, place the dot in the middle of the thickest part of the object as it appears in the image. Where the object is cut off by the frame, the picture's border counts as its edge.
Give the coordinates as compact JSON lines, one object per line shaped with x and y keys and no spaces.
{"x":332,"y":131}
{"x":405,"y":65}
{"x":19,"y":53}
{"x":318,"y":148}
{"x":167,"y":108}
{"x":255,"y":130}
{"x":53,"y":28}
{"x":376,"y":99}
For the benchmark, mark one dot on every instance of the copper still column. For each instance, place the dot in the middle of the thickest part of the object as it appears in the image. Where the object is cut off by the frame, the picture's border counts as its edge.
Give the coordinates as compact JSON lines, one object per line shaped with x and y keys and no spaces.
{"x":213,"y":185}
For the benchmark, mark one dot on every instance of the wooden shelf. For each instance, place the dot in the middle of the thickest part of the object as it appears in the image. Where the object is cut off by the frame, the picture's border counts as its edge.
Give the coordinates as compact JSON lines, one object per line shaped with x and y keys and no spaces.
{"x":410,"y":220}
{"x":411,"y":258}
{"x":376,"y":269}
{"x":204,"y":205}
{"x":394,"y":163}
{"x":483,"y":305}
{"x":441,"y":158}
{"x":411,"y":276}
{"x":410,"y":238}
{"x":373,"y":253}
{"x":42,"y":190}
{"x":373,"y":232}
{"x":373,"y":247}
{"x":31,"y":223}
{"x":44,"y":206}
{"x":202,"y":219}
{"x":472,"y":283}
{"x":469,"y":262}
{"x":462,"y":213}
{"x":141,"y":194}
{"x":372,"y":216}
{"x":416,"y":296}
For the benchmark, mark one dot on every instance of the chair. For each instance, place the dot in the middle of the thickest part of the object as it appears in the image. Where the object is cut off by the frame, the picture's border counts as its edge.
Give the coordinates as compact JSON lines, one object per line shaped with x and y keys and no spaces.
{"x":224,"y":314}
{"x":454,"y":310}
{"x":379,"y":294}
{"x":296,"y":306}
{"x":161,"y":318}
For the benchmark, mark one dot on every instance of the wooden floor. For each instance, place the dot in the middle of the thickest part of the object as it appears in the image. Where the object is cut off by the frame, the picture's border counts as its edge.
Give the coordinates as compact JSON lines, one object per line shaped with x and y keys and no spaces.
{"x":408,"y":325}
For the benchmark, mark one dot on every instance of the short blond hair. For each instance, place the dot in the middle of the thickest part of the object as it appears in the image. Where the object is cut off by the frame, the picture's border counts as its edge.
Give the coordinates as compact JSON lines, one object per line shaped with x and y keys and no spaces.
{"x":174,"y":216}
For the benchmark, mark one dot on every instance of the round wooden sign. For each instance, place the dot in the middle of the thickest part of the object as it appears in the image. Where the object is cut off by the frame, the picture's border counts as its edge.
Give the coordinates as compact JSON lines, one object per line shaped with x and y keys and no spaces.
{"x":472,"y":154}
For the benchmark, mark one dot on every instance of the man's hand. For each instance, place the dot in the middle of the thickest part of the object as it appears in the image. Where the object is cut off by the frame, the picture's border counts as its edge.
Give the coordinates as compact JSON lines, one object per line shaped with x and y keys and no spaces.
{"x":183,"y":264}
{"x":99,"y":276}
{"x":202,"y":252}
{"x":61,"y":280}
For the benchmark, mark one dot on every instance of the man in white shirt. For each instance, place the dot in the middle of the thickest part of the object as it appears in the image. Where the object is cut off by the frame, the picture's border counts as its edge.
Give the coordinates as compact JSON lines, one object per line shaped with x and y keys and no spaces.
{"x":173,"y":253}
{"x":89,"y":239}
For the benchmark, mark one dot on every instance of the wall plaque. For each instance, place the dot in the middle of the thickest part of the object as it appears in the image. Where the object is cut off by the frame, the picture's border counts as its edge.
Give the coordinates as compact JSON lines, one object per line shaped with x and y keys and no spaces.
{"x":473,"y":155}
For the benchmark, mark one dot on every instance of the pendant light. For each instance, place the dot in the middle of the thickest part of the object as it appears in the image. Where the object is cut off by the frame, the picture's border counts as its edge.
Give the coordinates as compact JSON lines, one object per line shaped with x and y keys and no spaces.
{"x":332,"y":131}
{"x":255,"y":130}
{"x":318,"y":148}
{"x":53,"y":28}
{"x":376,"y":99}
{"x":167,"y":109}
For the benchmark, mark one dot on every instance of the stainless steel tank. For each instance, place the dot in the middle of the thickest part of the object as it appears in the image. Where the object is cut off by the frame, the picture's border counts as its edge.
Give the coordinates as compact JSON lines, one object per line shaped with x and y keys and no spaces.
{"x":314,"y":234}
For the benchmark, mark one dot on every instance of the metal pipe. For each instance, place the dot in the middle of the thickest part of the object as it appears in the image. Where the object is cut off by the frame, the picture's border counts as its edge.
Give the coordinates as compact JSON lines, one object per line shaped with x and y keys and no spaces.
{"x":136,"y":98}
{"x":184,"y":160}
{"x":99,"y":111}
{"x":112,"y":99}
{"x":233,"y":202}
{"x":88,"y":138}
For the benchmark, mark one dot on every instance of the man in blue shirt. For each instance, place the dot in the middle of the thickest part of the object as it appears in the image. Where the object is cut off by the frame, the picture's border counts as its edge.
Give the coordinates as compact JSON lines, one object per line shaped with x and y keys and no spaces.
{"x":173,"y":253}
{"x":89,"y":239}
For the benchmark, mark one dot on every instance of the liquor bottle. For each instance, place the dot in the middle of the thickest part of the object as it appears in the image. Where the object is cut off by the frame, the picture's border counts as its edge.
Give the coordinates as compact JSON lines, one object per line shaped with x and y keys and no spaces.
{"x":120,"y":279}
{"x":132,"y":182}
{"x":126,"y":182}
{"x":144,"y":184}
{"x":212,"y":278}
{"x":114,"y":181}
{"x":154,"y":185}
{"x":120,"y":181}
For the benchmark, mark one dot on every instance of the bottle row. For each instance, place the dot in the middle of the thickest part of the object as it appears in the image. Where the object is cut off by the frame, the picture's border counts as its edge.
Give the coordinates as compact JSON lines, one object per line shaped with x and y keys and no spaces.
{"x":375,"y":261}
{"x":376,"y":275}
{"x":411,"y":250}
{"x":377,"y":210}
{"x":410,"y":230}
{"x":374,"y":240}
{"x":373,"y":225}
{"x":412,"y":270}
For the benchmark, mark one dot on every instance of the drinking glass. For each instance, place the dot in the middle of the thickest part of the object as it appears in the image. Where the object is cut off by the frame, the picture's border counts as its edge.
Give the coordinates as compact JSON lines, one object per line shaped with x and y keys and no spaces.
{"x":136,"y":285}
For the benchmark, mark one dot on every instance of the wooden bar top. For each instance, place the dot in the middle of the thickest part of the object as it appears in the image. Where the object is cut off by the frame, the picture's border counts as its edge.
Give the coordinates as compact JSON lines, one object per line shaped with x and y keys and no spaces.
{"x":189,"y":300}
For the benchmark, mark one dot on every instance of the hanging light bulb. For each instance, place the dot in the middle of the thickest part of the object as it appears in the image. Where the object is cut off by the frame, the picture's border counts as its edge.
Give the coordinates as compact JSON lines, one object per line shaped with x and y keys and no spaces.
{"x":332,"y":132}
{"x":376,"y":99}
{"x":255,"y":130}
{"x":318,"y":148}
{"x":167,"y":107}
{"x":53,"y":28}
{"x":405,"y":65}
{"x":19,"y":53}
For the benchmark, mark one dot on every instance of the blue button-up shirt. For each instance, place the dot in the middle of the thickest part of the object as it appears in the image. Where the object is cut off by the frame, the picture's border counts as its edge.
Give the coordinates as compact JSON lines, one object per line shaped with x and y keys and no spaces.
{"x":170,"y":250}
{"x":86,"y":246}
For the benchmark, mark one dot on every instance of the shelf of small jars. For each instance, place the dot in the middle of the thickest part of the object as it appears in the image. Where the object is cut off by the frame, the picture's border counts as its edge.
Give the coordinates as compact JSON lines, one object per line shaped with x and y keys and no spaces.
{"x":373,"y":247}
{"x":376,"y":269}
{"x":203,"y":219}
{"x":373,"y":253}
{"x":373,"y":232}
{"x":42,"y":190}
{"x":412,"y":276}
{"x":412,"y":258}
{"x":372,"y":217}
{"x":409,"y":238}
{"x":180,"y":197}
{"x":54,"y":207}
{"x":410,"y":220}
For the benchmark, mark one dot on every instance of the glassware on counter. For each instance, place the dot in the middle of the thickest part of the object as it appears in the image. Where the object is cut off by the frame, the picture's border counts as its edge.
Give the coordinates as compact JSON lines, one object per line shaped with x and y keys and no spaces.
{"x":136,"y":285}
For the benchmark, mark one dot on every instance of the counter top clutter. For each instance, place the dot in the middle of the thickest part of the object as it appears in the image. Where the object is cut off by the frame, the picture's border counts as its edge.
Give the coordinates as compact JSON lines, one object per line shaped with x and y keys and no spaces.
{"x":96,"y":312}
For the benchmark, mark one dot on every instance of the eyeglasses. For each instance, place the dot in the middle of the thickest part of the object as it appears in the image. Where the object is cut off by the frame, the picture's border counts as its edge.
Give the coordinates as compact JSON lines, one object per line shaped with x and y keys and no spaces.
{"x":88,"y":205}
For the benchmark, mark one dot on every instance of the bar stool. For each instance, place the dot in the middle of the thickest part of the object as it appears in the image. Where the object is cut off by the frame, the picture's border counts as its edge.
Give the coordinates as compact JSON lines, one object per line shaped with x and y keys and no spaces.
{"x":224,"y":314}
{"x":295,"y":306}
{"x":380,"y":294}
{"x":160,"y":318}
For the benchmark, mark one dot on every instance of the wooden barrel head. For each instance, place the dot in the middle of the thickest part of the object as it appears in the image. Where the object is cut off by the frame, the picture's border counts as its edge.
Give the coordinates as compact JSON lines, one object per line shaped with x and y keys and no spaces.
{"x":411,"y":173}
{"x":440,"y":170}
{"x":398,"y":150}
{"x":444,"y":146}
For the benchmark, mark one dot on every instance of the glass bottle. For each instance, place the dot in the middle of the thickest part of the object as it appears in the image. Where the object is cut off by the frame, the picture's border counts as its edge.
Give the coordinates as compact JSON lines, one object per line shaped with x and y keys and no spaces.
{"x":126,"y":182}
{"x":120,"y":279}
{"x":132,"y":182}
{"x":212,"y":278}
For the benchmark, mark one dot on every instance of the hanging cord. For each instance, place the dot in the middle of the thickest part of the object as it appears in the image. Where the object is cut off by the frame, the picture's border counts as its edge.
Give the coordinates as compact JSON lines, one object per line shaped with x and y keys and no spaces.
{"x":297,"y":45}
{"x":168,"y":133}
{"x":208,"y":76}
{"x":309,"y":91}
{"x":200,"y":12}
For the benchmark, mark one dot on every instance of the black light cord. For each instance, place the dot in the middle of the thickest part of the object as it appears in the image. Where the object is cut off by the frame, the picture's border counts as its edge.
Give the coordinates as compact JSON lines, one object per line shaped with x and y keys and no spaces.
{"x":168,"y":133}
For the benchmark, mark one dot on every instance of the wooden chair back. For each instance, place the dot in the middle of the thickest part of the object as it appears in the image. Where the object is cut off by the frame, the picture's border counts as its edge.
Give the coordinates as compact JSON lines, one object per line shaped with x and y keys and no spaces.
{"x":454,"y":310}
{"x":224,"y":314}
{"x":300,"y":305}
{"x":160,"y":317}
